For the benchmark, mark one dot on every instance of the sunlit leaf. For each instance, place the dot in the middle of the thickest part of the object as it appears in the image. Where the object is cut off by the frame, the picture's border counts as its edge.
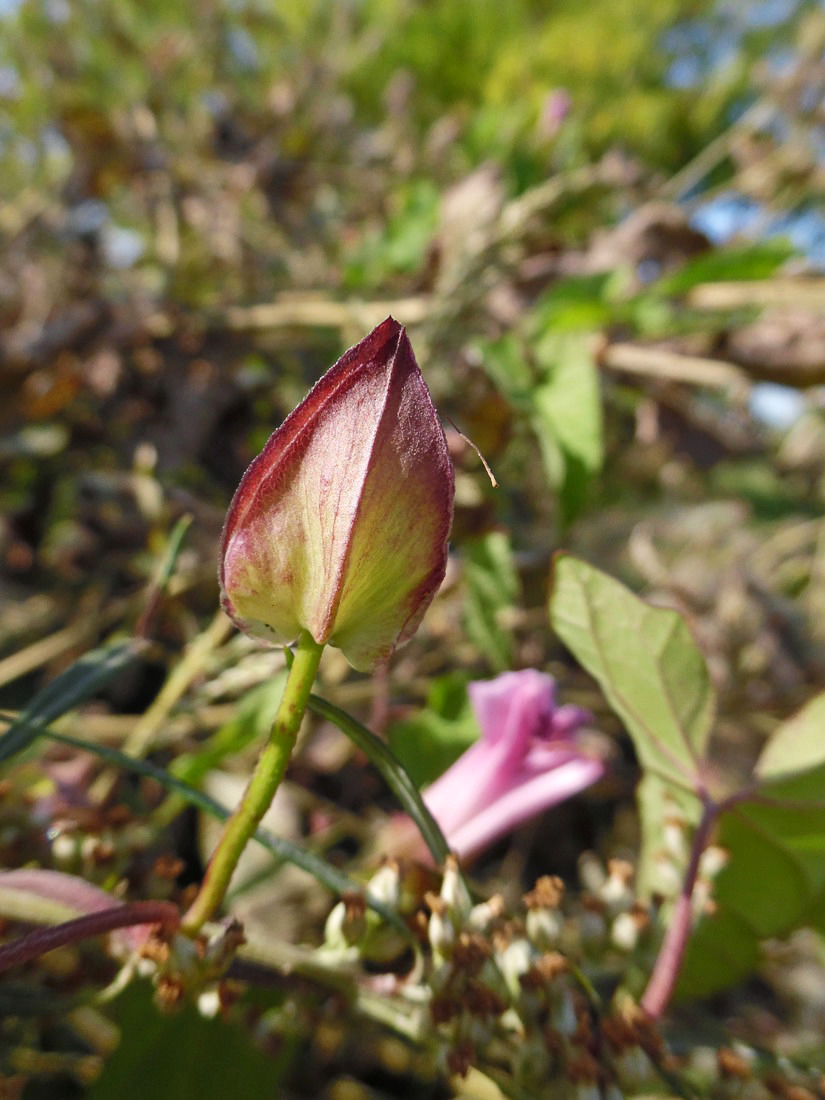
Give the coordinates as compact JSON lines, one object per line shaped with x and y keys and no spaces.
{"x":567,"y":418}
{"x":758,"y":261}
{"x":647,"y":664}
{"x":576,"y":303}
{"x":492,"y":589}
{"x":797,"y":747}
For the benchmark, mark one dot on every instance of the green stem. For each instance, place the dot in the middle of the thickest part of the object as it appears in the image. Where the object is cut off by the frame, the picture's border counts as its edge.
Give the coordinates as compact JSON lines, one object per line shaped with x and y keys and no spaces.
{"x":264,"y":783}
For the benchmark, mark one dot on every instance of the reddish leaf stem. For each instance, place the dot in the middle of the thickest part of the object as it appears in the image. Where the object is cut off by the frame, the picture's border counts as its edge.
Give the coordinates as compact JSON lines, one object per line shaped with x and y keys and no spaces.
{"x":669,"y":960}
{"x":34,"y":944}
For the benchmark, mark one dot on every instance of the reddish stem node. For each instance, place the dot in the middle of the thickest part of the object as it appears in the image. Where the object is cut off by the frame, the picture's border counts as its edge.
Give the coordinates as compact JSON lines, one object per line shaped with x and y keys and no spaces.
{"x":669,"y":960}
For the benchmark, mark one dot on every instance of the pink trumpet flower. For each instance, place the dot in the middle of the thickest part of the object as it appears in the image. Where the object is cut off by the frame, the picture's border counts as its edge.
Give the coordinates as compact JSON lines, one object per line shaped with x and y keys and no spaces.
{"x":526,"y":760}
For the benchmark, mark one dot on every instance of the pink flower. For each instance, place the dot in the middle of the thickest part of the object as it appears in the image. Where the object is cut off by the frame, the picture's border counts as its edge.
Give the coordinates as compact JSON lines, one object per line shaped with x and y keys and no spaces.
{"x":525,"y":761}
{"x":556,"y":108}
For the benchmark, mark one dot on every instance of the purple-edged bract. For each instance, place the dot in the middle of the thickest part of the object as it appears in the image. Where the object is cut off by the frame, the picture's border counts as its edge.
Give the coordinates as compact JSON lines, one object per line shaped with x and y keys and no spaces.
{"x":340,"y":525}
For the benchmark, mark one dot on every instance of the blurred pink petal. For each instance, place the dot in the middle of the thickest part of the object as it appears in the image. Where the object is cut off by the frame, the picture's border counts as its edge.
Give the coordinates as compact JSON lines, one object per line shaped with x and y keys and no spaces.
{"x":526,"y":760}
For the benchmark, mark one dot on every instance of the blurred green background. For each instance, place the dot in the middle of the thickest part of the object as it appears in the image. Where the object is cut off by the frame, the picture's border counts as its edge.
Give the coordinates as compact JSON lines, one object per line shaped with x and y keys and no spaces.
{"x":602,"y":225}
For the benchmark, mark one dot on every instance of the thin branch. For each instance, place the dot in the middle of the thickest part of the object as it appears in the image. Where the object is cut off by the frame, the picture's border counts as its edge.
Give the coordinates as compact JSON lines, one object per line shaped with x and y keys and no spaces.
{"x":798,"y":293}
{"x":669,"y":960}
{"x":672,"y":366}
{"x":34,"y":944}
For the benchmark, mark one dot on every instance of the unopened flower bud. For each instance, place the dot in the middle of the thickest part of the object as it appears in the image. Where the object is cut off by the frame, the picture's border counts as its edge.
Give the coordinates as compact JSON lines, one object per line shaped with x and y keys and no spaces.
{"x":713,"y":860}
{"x":385,"y":884}
{"x":209,"y":1003}
{"x":454,"y":891}
{"x":544,"y":928}
{"x":486,"y":913}
{"x":339,"y":527}
{"x":616,"y":892}
{"x":514,"y":961}
{"x":440,"y":929}
{"x":624,"y":932}
{"x":346,"y":923}
{"x":674,"y":836}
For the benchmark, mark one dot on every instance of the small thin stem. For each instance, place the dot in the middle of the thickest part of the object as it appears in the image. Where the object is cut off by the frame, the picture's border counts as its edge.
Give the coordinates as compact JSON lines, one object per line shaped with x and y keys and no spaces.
{"x":37,"y":943}
{"x":265,"y":780}
{"x":669,"y":960}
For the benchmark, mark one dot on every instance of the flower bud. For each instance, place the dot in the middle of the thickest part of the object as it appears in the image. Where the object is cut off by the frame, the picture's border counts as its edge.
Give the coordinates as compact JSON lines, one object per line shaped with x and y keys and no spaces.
{"x":454,"y":892}
{"x":340,"y":525}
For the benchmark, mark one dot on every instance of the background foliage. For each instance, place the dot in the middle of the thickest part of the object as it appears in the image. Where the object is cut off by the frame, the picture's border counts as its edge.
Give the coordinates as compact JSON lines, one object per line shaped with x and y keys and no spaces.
{"x":601,"y":225}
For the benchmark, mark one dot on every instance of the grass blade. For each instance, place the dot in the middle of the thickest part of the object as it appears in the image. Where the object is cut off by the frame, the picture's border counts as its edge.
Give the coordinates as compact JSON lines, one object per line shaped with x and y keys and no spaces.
{"x":74,"y":686}
{"x":393,"y":771}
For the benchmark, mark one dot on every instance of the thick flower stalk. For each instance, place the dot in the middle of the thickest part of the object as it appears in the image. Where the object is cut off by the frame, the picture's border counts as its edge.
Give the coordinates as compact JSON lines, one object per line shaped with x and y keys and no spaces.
{"x":339,"y":527}
{"x":337,"y":534}
{"x":526,"y":760}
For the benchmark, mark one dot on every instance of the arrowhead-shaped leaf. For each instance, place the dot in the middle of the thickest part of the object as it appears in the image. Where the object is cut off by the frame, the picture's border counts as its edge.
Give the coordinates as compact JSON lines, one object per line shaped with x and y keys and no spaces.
{"x":647,"y":664}
{"x":772,"y":831}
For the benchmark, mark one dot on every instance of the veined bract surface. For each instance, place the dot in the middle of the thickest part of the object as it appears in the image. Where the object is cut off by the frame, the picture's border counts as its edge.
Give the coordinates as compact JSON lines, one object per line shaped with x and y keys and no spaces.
{"x":340,"y":525}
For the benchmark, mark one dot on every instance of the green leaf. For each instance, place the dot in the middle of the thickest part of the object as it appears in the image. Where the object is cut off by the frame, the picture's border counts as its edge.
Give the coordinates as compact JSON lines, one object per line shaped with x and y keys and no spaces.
{"x":492,"y":588}
{"x":562,"y":404}
{"x":400,"y":242}
{"x":184,"y":1056}
{"x":762,"y":881}
{"x":774,"y":837}
{"x":720,"y":953}
{"x":577,"y":302}
{"x":777,"y":834}
{"x":507,"y":365}
{"x":647,"y":664}
{"x":391,"y":769}
{"x":74,"y":686}
{"x":567,"y":418}
{"x":757,"y":261}
{"x":796,"y":747}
